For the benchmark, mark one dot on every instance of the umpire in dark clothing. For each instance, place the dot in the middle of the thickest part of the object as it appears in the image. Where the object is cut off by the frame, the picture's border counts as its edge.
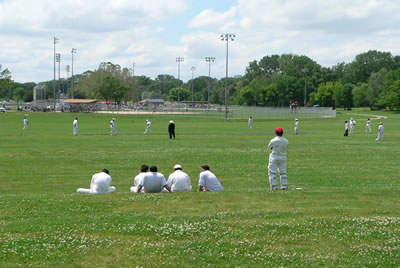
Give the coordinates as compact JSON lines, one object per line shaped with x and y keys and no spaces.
{"x":171,"y":129}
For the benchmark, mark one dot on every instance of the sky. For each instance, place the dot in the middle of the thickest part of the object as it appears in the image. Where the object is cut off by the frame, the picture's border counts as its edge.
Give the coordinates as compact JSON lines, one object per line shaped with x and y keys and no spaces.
{"x":151,"y":34}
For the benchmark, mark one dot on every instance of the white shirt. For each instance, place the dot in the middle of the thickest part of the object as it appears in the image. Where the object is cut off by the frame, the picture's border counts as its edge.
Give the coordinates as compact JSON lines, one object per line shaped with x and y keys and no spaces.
{"x":352,"y":123}
{"x":278,"y":146}
{"x":148,"y":124}
{"x":152,"y":182}
{"x":75,"y":123}
{"x":296,"y":123}
{"x":179,"y":181}
{"x":100,"y":182}
{"x":368,"y":122}
{"x":380,"y":129}
{"x":346,"y":126}
{"x":112,"y":124}
{"x":25,"y":122}
{"x":209,"y":181}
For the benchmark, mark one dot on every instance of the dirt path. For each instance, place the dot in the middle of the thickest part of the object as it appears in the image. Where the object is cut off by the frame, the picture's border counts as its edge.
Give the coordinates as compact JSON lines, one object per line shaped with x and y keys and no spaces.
{"x":372,"y":116}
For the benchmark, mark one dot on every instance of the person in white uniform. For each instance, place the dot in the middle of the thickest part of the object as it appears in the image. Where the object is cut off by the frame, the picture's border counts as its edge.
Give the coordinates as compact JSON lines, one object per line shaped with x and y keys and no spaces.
{"x":296,"y":126}
{"x":26,"y":123}
{"x":148,"y":127}
{"x":380,"y":132}
{"x":352,"y":125}
{"x":368,"y":126}
{"x":100,"y":184}
{"x":179,"y":181}
{"x":153,"y":182}
{"x":250,"y":122}
{"x":143,"y":170}
{"x":277,"y":160}
{"x":112,"y":127}
{"x":75,"y":126}
{"x":208,"y":181}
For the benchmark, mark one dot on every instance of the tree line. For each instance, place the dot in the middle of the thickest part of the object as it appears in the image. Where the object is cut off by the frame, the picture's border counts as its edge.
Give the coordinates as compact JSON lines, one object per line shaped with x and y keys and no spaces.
{"x":372,"y":79}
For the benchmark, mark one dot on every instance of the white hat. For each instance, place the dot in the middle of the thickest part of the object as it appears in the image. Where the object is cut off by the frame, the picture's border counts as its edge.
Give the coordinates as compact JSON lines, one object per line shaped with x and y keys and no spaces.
{"x":147,"y":120}
{"x":171,"y":122}
{"x":297,"y":119}
{"x":113,"y":119}
{"x":380,"y":123}
{"x":177,"y":166}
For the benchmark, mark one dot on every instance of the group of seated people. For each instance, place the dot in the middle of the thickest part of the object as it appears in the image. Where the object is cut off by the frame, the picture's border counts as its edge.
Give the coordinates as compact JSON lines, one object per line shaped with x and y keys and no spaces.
{"x":154,"y":182}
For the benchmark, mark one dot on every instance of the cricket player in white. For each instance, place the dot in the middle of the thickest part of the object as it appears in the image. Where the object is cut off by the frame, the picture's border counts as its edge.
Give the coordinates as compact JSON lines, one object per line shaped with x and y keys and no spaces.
{"x":26,"y":123}
{"x":296,"y":126}
{"x":380,"y":132}
{"x":208,"y":181}
{"x":346,"y":128}
{"x":153,"y":182}
{"x":112,"y":127}
{"x":143,"y":170}
{"x":179,"y":181}
{"x":277,"y":160}
{"x":250,"y":122}
{"x":368,"y":126}
{"x":148,"y":127}
{"x":100,"y":184}
{"x":352,"y":125}
{"x":75,"y":126}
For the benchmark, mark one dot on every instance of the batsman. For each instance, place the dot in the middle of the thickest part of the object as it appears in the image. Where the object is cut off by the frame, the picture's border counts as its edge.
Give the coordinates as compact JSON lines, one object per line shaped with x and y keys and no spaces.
{"x":277,"y":160}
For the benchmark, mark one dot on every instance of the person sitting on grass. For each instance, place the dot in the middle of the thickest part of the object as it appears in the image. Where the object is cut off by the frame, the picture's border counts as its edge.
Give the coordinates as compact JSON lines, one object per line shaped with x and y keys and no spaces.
{"x":153,"y":182}
{"x":100,"y":184}
{"x":208,"y":181}
{"x":143,"y":170}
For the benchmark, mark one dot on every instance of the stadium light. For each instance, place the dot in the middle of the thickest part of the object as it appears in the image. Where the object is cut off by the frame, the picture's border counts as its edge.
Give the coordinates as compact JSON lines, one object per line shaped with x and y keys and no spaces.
{"x":226,"y":37}
{"x":179,"y":60}
{"x":67,"y":70}
{"x":73,"y":51}
{"x":54,"y":80}
{"x":58,"y":59}
{"x":209,"y":60}
{"x":193,"y":69}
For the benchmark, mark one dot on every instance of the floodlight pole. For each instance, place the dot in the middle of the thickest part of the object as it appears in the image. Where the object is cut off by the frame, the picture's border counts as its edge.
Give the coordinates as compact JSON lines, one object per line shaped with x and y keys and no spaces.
{"x":193,"y":69}
{"x":209,"y":60}
{"x":67,"y":70}
{"x":179,"y":60}
{"x":73,"y":51}
{"x":226,"y":37}
{"x":54,"y":80}
{"x":58,"y":59}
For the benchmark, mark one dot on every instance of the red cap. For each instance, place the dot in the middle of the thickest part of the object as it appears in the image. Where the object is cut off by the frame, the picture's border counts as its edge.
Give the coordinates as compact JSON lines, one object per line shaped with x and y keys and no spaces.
{"x":279,"y":130}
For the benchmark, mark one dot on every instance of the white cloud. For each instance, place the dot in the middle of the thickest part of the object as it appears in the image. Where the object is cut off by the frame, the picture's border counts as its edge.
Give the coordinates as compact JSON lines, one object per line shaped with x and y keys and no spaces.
{"x":209,"y":17}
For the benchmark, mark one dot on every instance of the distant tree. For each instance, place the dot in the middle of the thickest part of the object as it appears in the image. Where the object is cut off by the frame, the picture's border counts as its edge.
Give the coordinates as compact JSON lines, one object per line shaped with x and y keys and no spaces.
{"x":324,"y":95}
{"x":375,"y":86}
{"x":390,"y":96}
{"x":343,"y":95}
{"x":360,"y":95}
{"x":183,"y":94}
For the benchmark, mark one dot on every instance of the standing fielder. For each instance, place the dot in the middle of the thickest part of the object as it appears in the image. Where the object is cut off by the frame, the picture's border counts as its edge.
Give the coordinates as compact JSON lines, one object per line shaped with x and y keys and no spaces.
{"x":75,"y":126}
{"x":250,"y":122}
{"x":380,"y":132}
{"x":368,"y":126}
{"x":296,"y":126}
{"x":277,"y":160}
{"x":112,"y":127}
{"x":352,"y":125}
{"x":346,"y":128}
{"x":171,"y":129}
{"x":148,"y":127}
{"x":26,"y":123}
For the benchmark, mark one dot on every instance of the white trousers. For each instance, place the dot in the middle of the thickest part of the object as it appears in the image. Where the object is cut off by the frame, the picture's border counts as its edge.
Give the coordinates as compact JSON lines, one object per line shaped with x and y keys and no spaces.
{"x":274,"y":167}
{"x":110,"y":190}
{"x":25,"y":126}
{"x":352,"y":129}
{"x":134,"y":189}
{"x":296,"y":130}
{"x":75,"y":131}
{"x":368,"y":128}
{"x":380,"y":136}
{"x":147,"y":130}
{"x":113,"y":131}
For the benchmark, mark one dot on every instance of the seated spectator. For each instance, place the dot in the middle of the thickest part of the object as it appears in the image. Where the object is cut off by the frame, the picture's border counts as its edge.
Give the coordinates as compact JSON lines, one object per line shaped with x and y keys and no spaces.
{"x":179,"y":181}
{"x":100,"y":184}
{"x":208,"y":181}
{"x":153,"y":182}
{"x":137,"y":179}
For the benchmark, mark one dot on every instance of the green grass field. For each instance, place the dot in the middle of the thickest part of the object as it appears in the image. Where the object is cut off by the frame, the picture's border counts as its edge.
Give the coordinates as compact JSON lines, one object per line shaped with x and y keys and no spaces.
{"x":347,"y":215}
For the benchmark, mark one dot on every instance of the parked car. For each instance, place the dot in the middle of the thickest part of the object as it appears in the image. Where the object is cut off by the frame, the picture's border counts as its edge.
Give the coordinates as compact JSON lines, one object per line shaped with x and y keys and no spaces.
{"x":3,"y":110}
